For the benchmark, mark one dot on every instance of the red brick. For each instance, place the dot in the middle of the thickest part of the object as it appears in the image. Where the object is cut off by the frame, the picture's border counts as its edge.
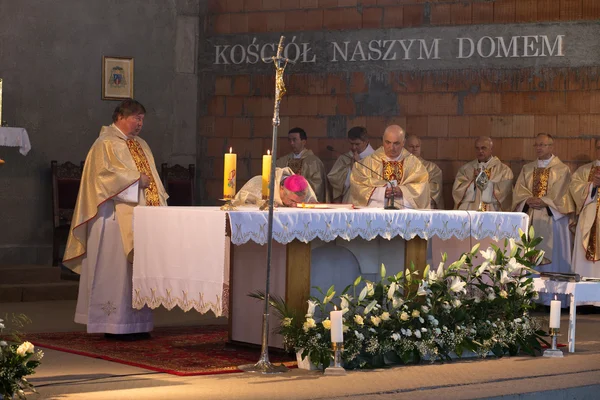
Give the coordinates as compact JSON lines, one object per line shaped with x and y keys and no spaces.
{"x":234,"y":106}
{"x":512,"y":103}
{"x":221,"y":24}
{"x":483,"y":103}
{"x":343,"y":18}
{"x":223,"y":126}
{"x":548,"y":103}
{"x":466,"y":149}
{"x":216,"y":6}
{"x":356,"y":121}
{"x":578,"y":149}
{"x":215,"y":147}
{"x":595,"y":102}
{"x":388,"y":2}
{"x":314,"y":126}
{"x":206,"y":126}
{"x":358,"y":83}
{"x":460,"y":13}
{"x":275,"y":22}
{"x":257,"y":22}
{"x":413,"y":15}
{"x":458,"y":126}
{"x":447,"y":149}
{"x":252,"y":5}
{"x":523,"y":126}
{"x":249,"y":147}
{"x":441,"y":103}
{"x":241,"y":85}
{"x":576,"y":80}
{"x":336,"y":83}
{"x":328,"y":3}
{"x":262,"y":85}
{"x":372,"y":17}
{"x":223,"y":85}
{"x":345,"y":105}
{"x":480,"y":126}
{"x":289,"y":4}
{"x":376,"y":126}
{"x":429,"y":148}
{"x":570,"y":9}
{"x":253,"y":106}
{"x":551,"y":79}
{"x":437,"y":126}
{"x":567,"y":125}
{"x":578,"y":102}
{"x":412,"y":104}
{"x":239,"y":23}
{"x":316,"y":84}
{"x":590,"y":9}
{"x":271,"y":4}
{"x":308,"y":4}
{"x":548,"y":10}
{"x":216,"y":105}
{"x":482,"y":13}
{"x":435,"y":81}
{"x":416,"y":126}
{"x":589,"y":125}
{"x":526,"y":11}
{"x":440,"y":14}
{"x":262,"y":127}
{"x":407,"y":81}
{"x":396,"y":120}
{"x":347,"y":3}
{"x":300,"y":105}
{"x":504,"y":11}
{"x":327,"y":105}
{"x":304,"y":20}
{"x":544,"y":124}
{"x":241,"y":127}
{"x":501,"y":126}
{"x":368,"y":2}
{"x":393,"y":17}
{"x":234,"y":5}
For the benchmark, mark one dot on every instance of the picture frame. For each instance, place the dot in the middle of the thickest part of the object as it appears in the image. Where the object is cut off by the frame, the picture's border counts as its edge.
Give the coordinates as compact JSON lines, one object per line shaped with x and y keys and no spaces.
{"x":117,"y":78}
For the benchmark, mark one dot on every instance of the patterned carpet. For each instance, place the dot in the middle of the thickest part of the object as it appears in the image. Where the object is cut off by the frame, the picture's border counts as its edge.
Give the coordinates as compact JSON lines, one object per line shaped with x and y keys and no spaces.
{"x":181,"y":351}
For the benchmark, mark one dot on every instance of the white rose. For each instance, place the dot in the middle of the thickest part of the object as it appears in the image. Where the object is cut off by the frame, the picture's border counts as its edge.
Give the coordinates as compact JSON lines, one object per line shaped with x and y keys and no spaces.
{"x":25,"y":348}
{"x":404,"y":316}
{"x":3,"y":343}
{"x":359,"y":320}
{"x":395,"y":336}
{"x":417,"y":334}
{"x":408,"y":332}
{"x":310,"y":323}
{"x":385,"y":316}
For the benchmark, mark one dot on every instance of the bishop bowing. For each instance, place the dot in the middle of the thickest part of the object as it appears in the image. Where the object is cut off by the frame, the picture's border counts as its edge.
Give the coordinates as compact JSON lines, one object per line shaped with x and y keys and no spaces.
{"x":493,"y":192}
{"x":542,"y":191}
{"x":390,"y":172}
{"x":413,"y":145}
{"x":303,"y":161}
{"x":584,"y":190}
{"x":339,"y":176}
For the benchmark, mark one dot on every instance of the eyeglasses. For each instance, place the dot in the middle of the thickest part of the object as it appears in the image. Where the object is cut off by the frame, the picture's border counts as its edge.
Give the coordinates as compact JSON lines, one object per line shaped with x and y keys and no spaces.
{"x":542,"y":145}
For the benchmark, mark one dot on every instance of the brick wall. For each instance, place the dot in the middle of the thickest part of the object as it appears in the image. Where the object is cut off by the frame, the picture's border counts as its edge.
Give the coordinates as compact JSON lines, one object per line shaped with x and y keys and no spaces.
{"x":447,"y":109}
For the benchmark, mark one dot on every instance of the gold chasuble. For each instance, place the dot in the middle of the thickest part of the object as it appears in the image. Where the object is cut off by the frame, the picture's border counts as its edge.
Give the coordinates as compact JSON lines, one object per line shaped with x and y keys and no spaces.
{"x":435,"y":184}
{"x":588,"y":224}
{"x":498,"y":197}
{"x":251,"y":192}
{"x":409,"y":173}
{"x":551,"y":185}
{"x":310,"y":167}
{"x":337,"y":176}
{"x":113,"y":164}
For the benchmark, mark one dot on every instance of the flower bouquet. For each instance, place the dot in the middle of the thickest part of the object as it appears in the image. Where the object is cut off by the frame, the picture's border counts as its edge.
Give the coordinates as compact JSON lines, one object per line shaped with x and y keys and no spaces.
{"x":16,"y":362}
{"x":479,"y":303}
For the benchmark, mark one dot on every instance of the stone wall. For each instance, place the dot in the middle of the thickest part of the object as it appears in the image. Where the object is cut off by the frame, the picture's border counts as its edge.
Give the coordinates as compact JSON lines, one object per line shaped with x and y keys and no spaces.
{"x":50,"y":60}
{"x":445,"y":103}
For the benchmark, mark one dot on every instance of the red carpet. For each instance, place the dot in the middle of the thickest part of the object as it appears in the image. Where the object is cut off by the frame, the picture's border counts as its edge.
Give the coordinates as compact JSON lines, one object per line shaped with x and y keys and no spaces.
{"x":180,"y":351}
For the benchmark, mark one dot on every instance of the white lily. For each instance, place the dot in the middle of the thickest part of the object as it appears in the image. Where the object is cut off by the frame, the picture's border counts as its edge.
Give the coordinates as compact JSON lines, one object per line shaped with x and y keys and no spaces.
{"x":311,"y":308}
{"x":392,"y":290}
{"x":397,"y":302}
{"x":370,"y":289}
{"x":513,"y":247}
{"x":489,"y":255}
{"x":505,"y":278}
{"x":457,"y":285}
{"x":345,"y":302}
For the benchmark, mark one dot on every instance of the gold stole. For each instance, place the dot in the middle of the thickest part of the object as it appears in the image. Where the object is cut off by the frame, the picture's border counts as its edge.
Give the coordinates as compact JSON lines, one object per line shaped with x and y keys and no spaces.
{"x":393,"y":170}
{"x":295,"y":164}
{"x":482,"y":206}
{"x":540,"y":181}
{"x":141,"y":162}
{"x":590,"y":253}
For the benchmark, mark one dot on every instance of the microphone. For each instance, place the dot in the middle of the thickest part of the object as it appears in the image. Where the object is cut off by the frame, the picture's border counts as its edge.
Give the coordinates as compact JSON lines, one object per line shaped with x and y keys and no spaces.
{"x":391,"y":205}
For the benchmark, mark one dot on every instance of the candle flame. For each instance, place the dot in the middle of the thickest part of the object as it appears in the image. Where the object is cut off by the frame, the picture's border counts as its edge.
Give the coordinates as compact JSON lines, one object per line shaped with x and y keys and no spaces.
{"x":334,"y":308}
{"x":268,"y":152}
{"x":230,"y":150}
{"x":555,"y":297}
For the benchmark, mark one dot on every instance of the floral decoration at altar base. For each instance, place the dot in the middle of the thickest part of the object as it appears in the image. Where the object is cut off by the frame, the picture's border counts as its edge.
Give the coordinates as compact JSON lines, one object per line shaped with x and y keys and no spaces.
{"x":304,"y":362}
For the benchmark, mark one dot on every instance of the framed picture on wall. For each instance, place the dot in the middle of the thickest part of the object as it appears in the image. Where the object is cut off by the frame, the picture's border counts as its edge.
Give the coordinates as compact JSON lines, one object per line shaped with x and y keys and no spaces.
{"x":117,"y":78}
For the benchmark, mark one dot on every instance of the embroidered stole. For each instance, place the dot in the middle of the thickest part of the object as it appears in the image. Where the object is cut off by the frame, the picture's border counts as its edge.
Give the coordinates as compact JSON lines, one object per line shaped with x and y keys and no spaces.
{"x":393,"y":170}
{"x":483,"y":206}
{"x":295,"y":164}
{"x":540,"y":181}
{"x":591,"y":251}
{"x":141,"y":162}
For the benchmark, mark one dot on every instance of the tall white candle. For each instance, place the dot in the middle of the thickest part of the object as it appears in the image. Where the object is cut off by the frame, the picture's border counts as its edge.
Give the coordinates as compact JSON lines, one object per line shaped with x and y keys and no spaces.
{"x":337,"y":332}
{"x":555,"y":314}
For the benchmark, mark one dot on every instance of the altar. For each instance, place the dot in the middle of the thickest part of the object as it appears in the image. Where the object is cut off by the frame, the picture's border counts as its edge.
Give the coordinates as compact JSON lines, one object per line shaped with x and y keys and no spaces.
{"x":205,"y":259}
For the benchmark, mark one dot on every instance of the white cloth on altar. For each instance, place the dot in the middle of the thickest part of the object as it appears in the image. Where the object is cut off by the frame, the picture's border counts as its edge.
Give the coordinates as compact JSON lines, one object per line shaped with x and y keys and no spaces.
{"x":15,"y":137}
{"x":584,"y":292}
{"x":581,"y":265}
{"x":104,"y":300}
{"x":179,"y":258}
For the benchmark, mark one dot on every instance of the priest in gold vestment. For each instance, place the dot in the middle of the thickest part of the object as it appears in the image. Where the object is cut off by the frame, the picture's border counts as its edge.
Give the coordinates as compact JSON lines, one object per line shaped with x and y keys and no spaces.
{"x":413,"y":145}
{"x":339,"y":176}
{"x":584,"y":189}
{"x":542,"y":191}
{"x":303,"y":161}
{"x":289,"y":192}
{"x":390,"y":169}
{"x":119,"y":174}
{"x":496,"y":194}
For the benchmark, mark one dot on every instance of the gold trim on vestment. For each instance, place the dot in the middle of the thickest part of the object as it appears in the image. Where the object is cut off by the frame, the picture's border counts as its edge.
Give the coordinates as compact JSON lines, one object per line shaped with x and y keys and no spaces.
{"x":393,"y":170}
{"x":540,"y":181}
{"x":591,"y":253}
{"x":141,"y":162}
{"x":295,"y":164}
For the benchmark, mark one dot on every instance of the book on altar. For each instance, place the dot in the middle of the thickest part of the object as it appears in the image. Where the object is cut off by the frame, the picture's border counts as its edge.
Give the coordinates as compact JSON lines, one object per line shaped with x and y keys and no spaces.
{"x":324,"y":206}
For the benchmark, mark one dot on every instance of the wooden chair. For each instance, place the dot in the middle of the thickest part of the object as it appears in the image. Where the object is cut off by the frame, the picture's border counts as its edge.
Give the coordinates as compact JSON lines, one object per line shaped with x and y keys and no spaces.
{"x":179,"y":184}
{"x":66,"y":179}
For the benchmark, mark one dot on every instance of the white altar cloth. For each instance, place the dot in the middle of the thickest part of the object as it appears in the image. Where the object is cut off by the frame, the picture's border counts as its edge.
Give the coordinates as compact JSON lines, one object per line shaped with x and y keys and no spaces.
{"x":15,"y":137}
{"x":580,"y":293}
{"x":182,"y":255}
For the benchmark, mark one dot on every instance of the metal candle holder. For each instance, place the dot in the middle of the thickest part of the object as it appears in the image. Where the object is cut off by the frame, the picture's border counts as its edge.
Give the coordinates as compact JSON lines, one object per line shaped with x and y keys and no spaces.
{"x":337,"y":369}
{"x":228,"y":206}
{"x":553,"y":351}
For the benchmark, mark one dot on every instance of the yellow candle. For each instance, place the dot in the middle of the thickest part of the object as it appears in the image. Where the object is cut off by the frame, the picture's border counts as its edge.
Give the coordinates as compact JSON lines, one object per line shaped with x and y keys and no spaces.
{"x":229,"y":175}
{"x":266,"y":174}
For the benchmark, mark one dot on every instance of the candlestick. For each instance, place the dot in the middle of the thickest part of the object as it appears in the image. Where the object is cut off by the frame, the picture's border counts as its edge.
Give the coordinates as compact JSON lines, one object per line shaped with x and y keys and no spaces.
{"x":337,"y":368}
{"x":229,"y":175}
{"x":266,"y":173}
{"x":1,"y":122}
{"x":553,"y":351}
{"x":555,"y":314}
{"x":337,"y":332}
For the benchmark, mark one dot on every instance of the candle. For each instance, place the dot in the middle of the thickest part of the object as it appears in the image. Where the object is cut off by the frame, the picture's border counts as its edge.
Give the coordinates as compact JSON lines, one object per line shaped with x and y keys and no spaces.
{"x":337,"y":332}
{"x":229,"y":175}
{"x":555,"y":313}
{"x":266,"y":174}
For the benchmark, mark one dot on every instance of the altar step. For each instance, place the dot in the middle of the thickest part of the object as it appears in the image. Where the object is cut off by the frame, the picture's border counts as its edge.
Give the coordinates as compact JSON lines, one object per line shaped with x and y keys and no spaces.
{"x":19,"y":283}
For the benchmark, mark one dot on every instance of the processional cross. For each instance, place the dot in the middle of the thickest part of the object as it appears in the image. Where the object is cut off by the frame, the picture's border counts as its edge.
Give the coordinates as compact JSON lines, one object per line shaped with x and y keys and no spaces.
{"x":264,"y":365}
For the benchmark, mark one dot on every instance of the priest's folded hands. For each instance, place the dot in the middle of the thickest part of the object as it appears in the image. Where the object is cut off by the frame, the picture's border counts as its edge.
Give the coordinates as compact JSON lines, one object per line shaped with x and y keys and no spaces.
{"x":395,"y":189}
